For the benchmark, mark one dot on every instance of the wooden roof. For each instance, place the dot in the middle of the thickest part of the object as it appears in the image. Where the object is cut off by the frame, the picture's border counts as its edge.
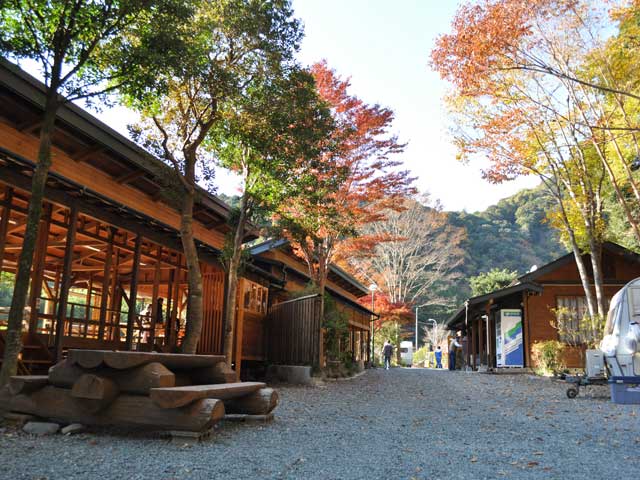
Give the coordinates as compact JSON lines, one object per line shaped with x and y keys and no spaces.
{"x":340,"y":282}
{"x":86,"y":139}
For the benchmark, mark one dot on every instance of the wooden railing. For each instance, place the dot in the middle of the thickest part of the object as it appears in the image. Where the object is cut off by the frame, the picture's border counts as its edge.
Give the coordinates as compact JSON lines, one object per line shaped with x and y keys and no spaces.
{"x":84,"y":323}
{"x":293,"y":331}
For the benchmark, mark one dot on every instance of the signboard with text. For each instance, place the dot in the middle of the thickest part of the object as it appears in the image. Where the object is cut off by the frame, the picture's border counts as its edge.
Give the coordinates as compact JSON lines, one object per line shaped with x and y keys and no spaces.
{"x":511,"y":333}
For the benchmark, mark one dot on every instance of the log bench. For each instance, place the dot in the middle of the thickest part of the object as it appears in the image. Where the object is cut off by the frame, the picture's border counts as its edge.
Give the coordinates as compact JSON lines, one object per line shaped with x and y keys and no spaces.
{"x":126,"y":410}
{"x":175,"y":392}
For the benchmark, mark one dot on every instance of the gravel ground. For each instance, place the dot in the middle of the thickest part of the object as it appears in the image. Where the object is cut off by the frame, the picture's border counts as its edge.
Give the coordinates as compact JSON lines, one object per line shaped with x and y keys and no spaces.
{"x":402,"y":423}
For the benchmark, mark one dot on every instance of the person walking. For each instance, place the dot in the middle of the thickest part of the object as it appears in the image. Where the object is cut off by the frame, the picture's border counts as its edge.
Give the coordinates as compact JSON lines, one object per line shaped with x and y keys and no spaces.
{"x":387,"y":351}
{"x":438,"y":357}
{"x":453,"y":346}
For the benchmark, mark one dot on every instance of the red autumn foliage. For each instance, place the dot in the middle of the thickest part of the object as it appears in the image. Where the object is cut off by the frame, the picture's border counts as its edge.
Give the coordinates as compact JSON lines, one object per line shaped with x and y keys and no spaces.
{"x":387,"y":309}
{"x":354,"y":182}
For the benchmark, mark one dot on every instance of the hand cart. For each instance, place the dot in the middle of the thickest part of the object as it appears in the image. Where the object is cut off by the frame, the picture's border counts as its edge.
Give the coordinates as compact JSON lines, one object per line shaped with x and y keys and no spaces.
{"x":578,"y":381}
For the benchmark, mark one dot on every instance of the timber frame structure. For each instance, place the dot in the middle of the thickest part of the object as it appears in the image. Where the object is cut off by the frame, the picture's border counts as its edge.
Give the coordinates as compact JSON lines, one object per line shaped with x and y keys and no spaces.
{"x":108,"y":271}
{"x":287,"y":341}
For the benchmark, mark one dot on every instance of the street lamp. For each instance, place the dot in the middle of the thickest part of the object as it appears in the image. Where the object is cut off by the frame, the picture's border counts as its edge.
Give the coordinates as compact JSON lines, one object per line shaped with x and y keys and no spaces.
{"x":372,"y":288}
{"x":435,"y":327}
{"x":417,"y":308}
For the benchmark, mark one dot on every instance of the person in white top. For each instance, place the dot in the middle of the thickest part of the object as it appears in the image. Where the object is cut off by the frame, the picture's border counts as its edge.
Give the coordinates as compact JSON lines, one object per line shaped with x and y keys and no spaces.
{"x":453,"y":345}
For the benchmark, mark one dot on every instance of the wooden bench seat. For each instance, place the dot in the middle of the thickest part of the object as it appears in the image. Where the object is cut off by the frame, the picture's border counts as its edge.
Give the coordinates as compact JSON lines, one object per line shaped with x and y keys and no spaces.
{"x":174,"y":397}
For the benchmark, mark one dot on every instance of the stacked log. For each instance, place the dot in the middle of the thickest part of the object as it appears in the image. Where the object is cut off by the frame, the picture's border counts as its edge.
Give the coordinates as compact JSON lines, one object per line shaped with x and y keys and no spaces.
{"x":174,"y":392}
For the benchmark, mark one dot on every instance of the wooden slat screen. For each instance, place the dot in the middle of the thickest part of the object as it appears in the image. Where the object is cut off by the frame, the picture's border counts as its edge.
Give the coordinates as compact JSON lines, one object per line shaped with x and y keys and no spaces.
{"x":293,"y":331}
{"x":212,"y":337}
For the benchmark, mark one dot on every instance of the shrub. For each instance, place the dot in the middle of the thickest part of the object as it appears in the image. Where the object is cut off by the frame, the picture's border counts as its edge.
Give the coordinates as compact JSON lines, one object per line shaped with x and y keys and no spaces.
{"x":546,"y":357}
{"x":420,"y":355}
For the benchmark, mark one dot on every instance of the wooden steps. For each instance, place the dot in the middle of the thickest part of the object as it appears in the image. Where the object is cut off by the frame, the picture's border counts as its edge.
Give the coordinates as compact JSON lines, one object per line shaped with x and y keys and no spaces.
{"x":35,"y":357}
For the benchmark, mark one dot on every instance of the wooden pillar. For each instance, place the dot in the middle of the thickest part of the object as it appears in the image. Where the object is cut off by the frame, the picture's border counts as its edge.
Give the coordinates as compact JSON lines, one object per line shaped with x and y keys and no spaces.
{"x":474,"y":343}
{"x":239,"y":330}
{"x":467,"y":336}
{"x":526,"y":341}
{"x":167,"y":328}
{"x":481,"y":342}
{"x":87,"y":307}
{"x":116,"y":299}
{"x":106,"y":273}
{"x":65,"y":282}
{"x":4,"y":222}
{"x":37,"y":275}
{"x":133,"y":292}
{"x":489,"y":335}
{"x":154,"y":298}
{"x":176,"y":303}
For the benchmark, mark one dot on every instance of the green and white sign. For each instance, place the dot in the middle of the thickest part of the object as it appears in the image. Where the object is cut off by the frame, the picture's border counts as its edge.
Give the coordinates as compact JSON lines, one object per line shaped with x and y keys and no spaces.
{"x":512,"y":348}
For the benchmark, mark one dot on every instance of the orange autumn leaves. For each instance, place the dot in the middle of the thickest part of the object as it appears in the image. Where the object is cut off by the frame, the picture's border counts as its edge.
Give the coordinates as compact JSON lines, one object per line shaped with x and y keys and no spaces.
{"x":491,"y":36}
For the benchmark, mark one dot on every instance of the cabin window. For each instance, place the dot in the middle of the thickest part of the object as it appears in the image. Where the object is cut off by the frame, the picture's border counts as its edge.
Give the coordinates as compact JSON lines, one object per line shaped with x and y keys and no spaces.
{"x":255,"y":297}
{"x":572,"y":322}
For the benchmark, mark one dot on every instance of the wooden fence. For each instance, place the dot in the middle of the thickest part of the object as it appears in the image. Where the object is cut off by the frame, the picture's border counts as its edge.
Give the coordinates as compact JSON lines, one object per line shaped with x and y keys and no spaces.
{"x":293,"y":331}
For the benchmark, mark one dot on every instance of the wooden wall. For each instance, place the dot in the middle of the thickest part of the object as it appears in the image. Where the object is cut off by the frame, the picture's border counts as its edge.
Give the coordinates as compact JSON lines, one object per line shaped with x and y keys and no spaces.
{"x":212,"y":336}
{"x":565,"y":281}
{"x":293,"y":332}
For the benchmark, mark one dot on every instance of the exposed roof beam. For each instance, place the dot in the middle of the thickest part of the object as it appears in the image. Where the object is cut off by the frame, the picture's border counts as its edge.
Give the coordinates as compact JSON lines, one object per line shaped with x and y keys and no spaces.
{"x":30,"y":126}
{"x":87,"y":153}
{"x":129,"y":177}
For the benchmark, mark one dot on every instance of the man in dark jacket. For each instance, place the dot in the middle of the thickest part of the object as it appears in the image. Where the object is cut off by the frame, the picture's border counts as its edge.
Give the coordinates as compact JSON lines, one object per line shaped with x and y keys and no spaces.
{"x":387,"y":351}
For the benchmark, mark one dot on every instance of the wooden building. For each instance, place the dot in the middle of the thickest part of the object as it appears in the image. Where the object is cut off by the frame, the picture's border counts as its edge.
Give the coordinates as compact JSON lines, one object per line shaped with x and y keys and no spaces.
{"x":532,"y":299}
{"x":108,"y":271}
{"x":294,"y":332}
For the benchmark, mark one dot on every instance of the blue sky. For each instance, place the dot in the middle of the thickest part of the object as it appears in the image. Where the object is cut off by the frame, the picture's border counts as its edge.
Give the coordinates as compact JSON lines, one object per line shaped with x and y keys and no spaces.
{"x":384,"y":45}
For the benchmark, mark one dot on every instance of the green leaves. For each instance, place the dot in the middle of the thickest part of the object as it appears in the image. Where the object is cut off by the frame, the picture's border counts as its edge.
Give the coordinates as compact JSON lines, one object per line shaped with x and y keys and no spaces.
{"x":271,"y":136}
{"x":490,"y":281}
{"x":87,"y":48}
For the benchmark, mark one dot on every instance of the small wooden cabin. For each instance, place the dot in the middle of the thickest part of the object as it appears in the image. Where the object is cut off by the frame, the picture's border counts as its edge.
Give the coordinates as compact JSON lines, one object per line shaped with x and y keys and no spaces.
{"x":108,"y":271}
{"x":532,"y":299}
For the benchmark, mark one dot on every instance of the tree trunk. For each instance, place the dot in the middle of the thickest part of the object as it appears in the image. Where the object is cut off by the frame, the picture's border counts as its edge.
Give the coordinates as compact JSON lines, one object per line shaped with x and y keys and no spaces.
{"x":232,"y":280}
{"x":584,"y":276}
{"x":13,"y":339}
{"x":194,"y":276}
{"x":397,"y":342}
{"x":596,"y":263}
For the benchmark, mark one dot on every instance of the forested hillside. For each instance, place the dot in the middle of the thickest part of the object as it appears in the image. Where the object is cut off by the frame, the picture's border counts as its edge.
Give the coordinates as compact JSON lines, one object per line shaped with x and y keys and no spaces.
{"x":512,"y":234}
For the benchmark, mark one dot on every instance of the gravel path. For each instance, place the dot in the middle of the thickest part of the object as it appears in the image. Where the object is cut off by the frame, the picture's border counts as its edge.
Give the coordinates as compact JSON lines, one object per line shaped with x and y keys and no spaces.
{"x":401,"y":423}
